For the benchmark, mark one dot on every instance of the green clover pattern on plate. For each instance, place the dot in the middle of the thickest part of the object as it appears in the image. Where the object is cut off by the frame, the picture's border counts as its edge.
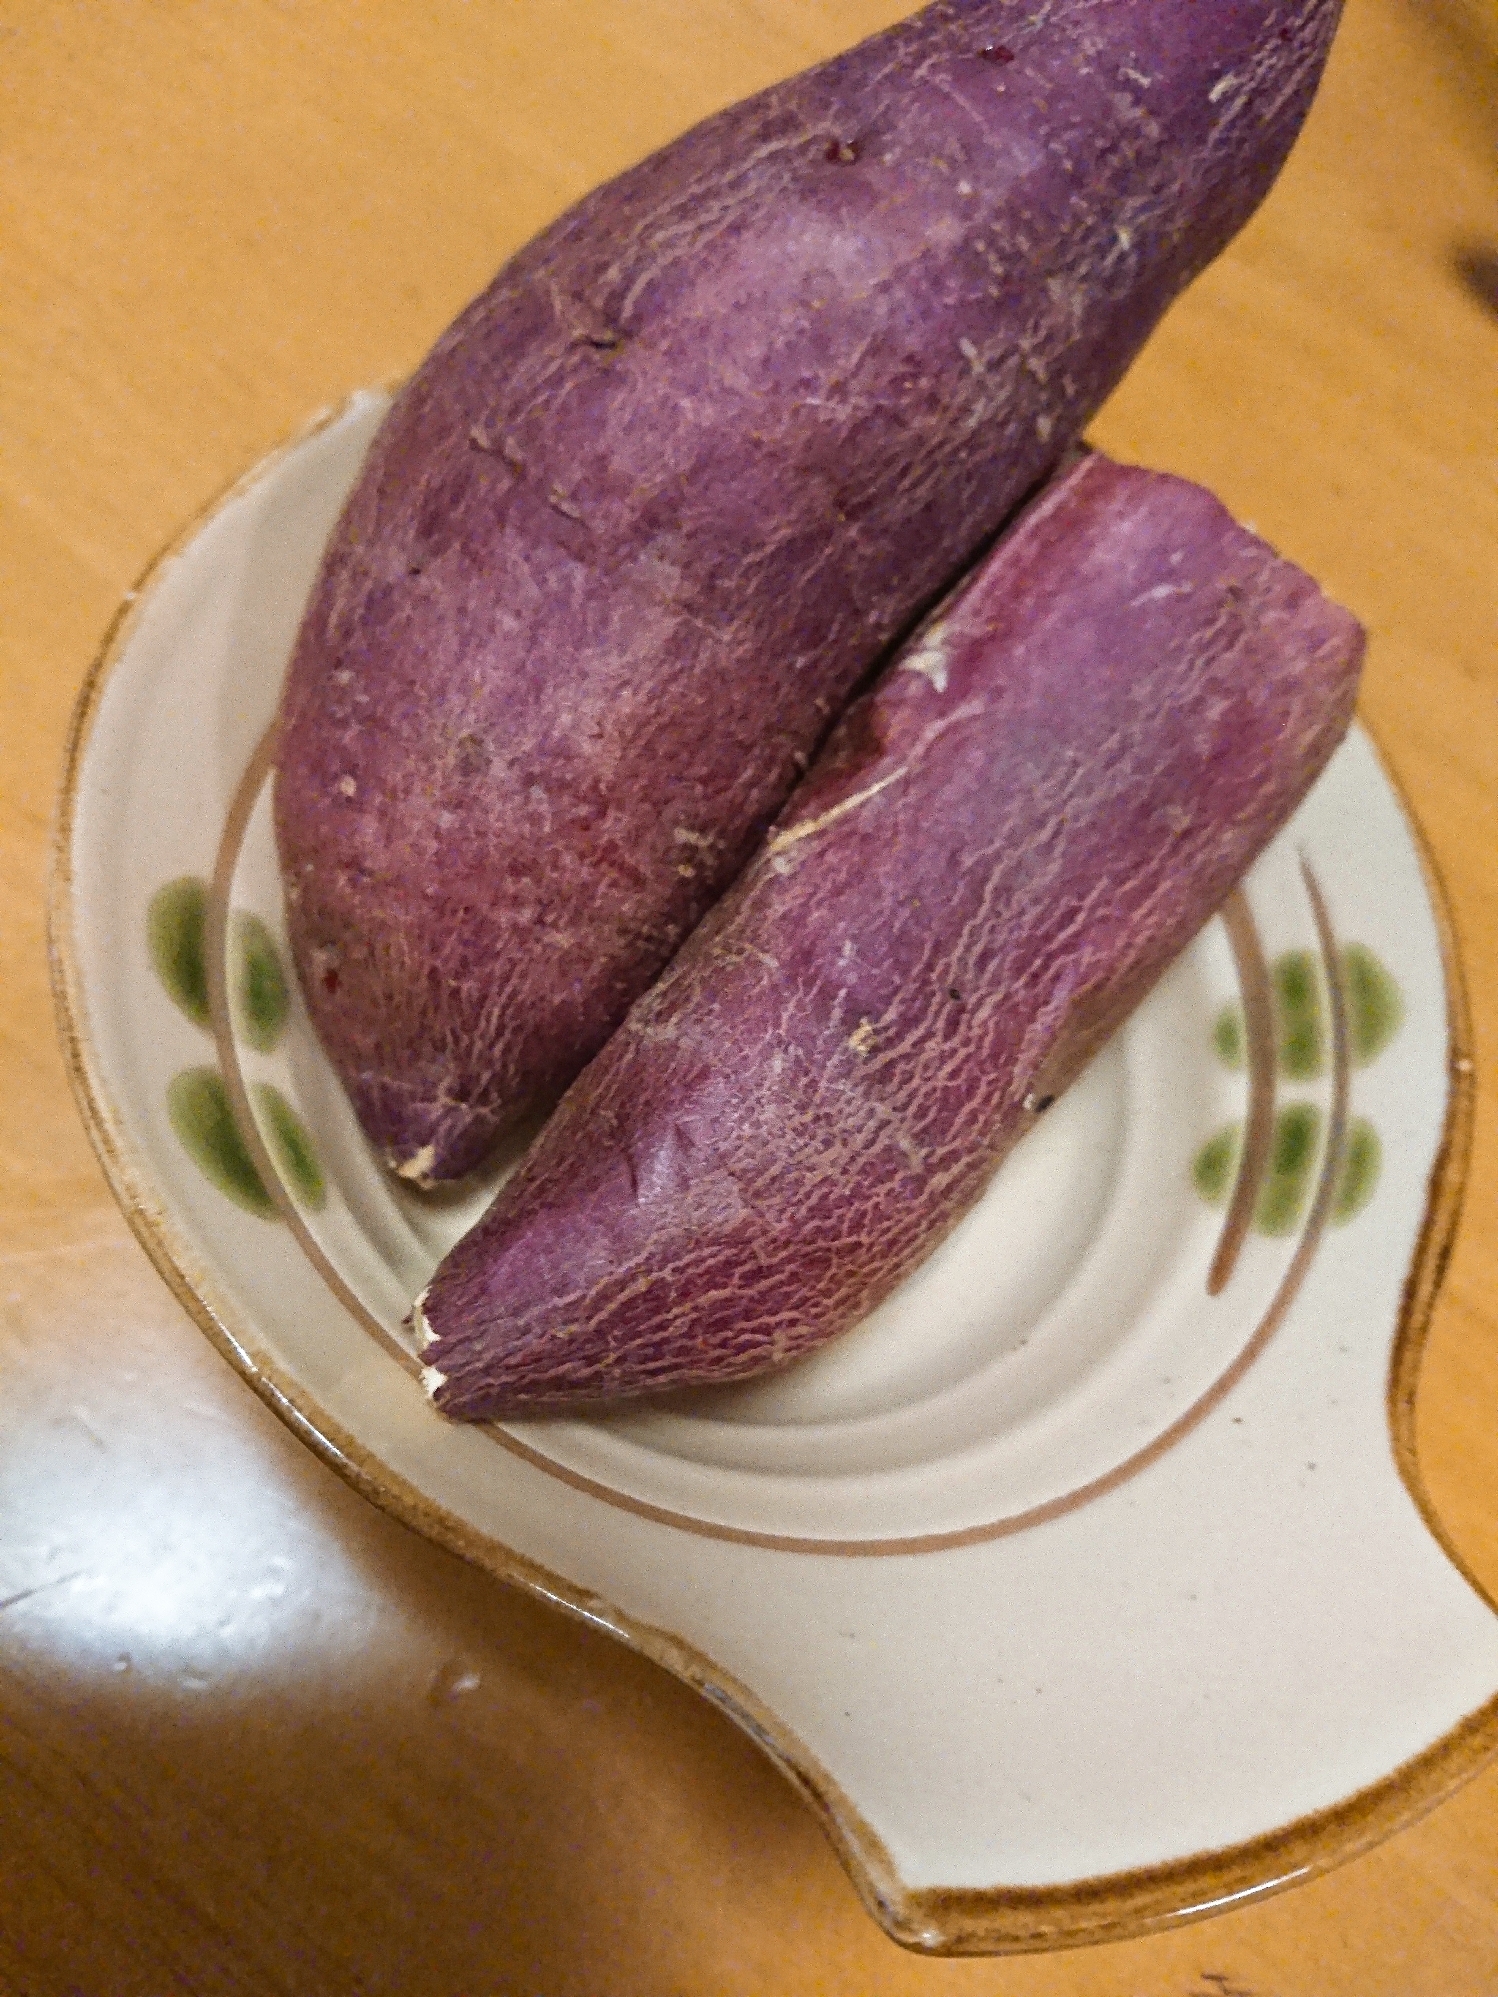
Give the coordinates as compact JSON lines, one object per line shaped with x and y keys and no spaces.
{"x":1375,"y":1012}
{"x":197,"y":1101}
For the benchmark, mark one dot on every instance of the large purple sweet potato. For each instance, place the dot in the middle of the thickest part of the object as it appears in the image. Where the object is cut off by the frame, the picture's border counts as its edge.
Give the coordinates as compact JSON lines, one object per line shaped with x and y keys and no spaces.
{"x":999,"y":851}
{"x":668,"y":489}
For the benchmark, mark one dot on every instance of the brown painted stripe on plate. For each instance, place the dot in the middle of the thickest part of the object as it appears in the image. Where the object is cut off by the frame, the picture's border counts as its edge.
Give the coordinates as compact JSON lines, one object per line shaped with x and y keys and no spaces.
{"x":216,"y":951}
{"x":1258,"y":1136}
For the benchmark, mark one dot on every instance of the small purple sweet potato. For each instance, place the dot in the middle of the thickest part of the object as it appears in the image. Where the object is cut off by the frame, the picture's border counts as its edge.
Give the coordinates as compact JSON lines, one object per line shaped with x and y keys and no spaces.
{"x":663,"y":495}
{"x":997,"y":854}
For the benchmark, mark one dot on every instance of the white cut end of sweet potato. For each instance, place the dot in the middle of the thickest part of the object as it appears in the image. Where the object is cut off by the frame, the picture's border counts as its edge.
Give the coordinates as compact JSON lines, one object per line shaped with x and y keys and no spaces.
{"x":418,"y":1168}
{"x":929,"y":658}
{"x":432,"y":1377}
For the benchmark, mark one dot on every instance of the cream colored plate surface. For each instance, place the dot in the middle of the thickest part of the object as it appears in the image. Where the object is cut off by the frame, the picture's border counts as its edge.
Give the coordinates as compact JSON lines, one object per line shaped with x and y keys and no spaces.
{"x":1089,"y":1554}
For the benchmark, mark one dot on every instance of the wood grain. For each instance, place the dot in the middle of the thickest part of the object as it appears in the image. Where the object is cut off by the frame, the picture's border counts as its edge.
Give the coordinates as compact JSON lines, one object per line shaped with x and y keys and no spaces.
{"x":253,"y":1736}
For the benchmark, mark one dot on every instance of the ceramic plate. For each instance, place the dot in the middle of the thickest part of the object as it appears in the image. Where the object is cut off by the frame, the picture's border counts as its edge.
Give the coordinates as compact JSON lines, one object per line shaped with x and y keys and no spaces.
{"x":1088,"y":1584}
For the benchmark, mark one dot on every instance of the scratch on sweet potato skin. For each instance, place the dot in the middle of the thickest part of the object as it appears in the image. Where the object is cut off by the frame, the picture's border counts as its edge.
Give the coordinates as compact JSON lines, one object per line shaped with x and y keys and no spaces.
{"x":669,"y":488}
{"x":1137,"y":694}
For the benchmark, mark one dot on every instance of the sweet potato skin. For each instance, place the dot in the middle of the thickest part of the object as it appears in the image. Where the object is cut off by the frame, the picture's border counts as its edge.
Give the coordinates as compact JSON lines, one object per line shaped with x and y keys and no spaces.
{"x":669,"y":488}
{"x":999,"y":851}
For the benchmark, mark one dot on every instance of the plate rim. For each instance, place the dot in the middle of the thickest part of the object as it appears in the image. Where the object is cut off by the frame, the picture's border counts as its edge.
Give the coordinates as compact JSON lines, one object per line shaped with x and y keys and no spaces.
{"x":935,"y":1920}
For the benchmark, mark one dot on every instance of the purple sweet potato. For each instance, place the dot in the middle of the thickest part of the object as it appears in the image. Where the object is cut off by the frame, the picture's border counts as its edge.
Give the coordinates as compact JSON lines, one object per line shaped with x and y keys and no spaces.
{"x":998,"y":852}
{"x":667,"y":490}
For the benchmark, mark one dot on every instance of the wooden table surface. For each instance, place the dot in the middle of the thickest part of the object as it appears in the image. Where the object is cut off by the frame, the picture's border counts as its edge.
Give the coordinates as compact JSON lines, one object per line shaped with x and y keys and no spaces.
{"x":254,"y":1736}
